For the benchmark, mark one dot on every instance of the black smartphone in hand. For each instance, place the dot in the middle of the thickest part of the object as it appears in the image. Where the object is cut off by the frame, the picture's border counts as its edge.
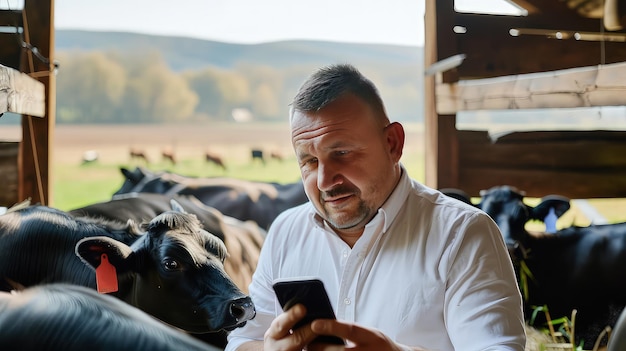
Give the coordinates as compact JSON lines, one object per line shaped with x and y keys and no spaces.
{"x":312,"y":294}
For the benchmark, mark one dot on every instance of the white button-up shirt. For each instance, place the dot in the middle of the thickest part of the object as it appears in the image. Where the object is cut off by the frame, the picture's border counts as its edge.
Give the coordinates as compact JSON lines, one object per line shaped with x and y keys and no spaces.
{"x":428,"y":271}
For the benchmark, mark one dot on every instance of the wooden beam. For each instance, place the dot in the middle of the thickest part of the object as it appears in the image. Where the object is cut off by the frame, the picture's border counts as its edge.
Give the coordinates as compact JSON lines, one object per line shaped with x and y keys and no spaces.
{"x":19,"y":93}
{"x":10,"y":18}
{"x":493,"y":50}
{"x":603,"y":85}
{"x":573,"y":163}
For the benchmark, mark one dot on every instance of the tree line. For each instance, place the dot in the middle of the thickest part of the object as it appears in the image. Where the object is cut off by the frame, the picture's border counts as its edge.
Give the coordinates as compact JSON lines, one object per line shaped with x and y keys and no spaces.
{"x":115,"y":88}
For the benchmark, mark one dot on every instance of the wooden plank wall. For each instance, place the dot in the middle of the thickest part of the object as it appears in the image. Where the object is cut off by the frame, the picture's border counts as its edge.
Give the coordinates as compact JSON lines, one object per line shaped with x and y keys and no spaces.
{"x":576,"y":164}
{"x":8,"y":173}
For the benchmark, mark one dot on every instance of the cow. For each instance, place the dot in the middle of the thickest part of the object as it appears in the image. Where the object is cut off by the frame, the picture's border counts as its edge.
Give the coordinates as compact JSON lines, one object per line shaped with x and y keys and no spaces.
{"x":69,"y":317}
{"x":214,"y":158}
{"x":243,"y":239}
{"x":138,"y":154}
{"x":277,"y":155}
{"x":581,"y":268}
{"x":241,"y":199}
{"x":169,"y":267}
{"x":257,"y":154}
{"x":169,"y":155}
{"x":90,"y":156}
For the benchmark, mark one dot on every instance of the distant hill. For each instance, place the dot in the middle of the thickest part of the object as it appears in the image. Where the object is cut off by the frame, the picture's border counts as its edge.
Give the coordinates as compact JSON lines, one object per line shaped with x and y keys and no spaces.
{"x":187,"y":53}
{"x":397,"y":71}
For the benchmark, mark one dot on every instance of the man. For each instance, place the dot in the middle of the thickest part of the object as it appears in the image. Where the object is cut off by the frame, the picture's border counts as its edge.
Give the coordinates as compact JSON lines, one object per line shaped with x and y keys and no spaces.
{"x":406,"y":267}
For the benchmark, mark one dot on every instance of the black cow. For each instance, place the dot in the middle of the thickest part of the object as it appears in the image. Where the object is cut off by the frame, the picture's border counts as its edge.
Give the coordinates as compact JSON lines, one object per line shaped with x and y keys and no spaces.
{"x":76,"y":318}
{"x":257,"y":154}
{"x":168,"y":267}
{"x":241,"y":199}
{"x":582,"y":268}
{"x":243,"y":239}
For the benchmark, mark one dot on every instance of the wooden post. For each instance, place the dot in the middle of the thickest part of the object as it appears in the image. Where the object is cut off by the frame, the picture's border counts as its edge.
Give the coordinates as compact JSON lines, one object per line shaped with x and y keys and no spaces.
{"x":37,"y":134}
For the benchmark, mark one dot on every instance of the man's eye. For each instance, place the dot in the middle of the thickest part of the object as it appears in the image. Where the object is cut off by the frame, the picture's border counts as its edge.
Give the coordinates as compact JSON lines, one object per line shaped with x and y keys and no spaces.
{"x":310,"y":161}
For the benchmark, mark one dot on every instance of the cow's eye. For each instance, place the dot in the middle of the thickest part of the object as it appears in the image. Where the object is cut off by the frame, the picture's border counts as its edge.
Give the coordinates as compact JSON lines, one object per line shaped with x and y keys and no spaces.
{"x":171,"y":264}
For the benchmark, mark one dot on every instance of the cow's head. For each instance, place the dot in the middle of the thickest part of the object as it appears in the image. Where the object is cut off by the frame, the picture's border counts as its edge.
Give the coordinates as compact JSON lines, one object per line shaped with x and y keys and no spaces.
{"x":175,"y":272}
{"x":505,"y":204}
{"x":134,"y":180}
{"x":144,"y":181}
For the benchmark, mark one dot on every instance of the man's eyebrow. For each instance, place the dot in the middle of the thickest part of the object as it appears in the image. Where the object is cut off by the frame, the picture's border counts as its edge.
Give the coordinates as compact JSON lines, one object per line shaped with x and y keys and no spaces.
{"x":337,"y":145}
{"x":300,"y":155}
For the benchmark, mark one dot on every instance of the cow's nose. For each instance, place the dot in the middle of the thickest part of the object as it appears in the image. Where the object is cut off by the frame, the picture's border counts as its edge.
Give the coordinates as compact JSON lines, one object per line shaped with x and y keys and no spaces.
{"x":242,"y":309}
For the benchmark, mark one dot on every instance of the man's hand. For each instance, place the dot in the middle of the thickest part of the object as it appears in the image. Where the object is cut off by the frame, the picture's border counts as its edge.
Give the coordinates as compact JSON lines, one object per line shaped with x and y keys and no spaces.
{"x":279,"y":336}
{"x":359,"y":338}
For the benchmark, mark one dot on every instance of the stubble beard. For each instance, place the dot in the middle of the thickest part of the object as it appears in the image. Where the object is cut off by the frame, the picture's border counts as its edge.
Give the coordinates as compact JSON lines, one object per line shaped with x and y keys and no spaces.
{"x":347,"y":219}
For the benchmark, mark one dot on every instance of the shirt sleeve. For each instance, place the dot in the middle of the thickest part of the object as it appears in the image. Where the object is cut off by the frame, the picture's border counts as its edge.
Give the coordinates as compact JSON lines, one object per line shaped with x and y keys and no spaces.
{"x":482,"y":290}
{"x":263,"y":297}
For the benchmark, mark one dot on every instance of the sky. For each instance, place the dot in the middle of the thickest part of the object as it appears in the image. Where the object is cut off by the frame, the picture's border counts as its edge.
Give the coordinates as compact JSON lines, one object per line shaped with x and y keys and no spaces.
{"x":397,"y":22}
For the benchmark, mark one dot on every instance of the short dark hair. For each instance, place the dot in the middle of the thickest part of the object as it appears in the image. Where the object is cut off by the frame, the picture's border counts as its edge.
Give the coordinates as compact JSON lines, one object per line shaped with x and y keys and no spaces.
{"x":329,"y":83}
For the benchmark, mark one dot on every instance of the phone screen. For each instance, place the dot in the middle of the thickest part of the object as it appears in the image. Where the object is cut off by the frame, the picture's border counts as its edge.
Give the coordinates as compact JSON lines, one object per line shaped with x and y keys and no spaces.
{"x":312,"y":294}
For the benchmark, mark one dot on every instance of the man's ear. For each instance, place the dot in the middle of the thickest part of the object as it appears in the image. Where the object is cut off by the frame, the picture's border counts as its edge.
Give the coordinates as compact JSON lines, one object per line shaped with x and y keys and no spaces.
{"x":395,"y":140}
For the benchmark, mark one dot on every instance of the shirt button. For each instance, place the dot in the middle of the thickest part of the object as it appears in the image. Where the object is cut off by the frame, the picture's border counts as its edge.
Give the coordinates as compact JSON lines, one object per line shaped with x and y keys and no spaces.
{"x":345,"y":254}
{"x":347,"y":301}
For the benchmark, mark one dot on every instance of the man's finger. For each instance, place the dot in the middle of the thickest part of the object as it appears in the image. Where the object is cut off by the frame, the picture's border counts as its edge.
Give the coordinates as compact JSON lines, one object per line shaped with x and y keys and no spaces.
{"x":282,"y":325}
{"x":334,"y":327}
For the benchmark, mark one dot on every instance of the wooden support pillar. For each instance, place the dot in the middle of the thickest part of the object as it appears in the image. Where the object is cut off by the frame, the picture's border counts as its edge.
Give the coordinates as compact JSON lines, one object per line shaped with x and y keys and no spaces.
{"x":440,"y":42}
{"x":35,"y":151}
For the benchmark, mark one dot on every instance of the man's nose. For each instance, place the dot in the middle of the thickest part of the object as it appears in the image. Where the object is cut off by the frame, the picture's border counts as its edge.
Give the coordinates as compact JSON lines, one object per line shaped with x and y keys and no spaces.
{"x":327,"y":176}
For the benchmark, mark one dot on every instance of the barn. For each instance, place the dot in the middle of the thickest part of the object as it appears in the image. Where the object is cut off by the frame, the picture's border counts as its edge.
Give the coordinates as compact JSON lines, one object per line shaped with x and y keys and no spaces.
{"x":560,"y":54}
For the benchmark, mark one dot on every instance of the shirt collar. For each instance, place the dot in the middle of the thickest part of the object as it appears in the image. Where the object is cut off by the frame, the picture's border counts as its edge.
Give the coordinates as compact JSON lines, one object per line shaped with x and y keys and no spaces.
{"x":390,"y":209}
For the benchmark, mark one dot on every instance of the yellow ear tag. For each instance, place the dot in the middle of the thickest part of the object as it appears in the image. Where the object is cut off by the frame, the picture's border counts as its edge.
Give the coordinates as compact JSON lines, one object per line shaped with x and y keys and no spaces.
{"x":106,"y":276}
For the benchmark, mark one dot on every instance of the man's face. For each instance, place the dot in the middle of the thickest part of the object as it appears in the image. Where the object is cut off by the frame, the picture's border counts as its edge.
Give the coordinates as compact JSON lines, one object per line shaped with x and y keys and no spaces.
{"x":346,"y":160}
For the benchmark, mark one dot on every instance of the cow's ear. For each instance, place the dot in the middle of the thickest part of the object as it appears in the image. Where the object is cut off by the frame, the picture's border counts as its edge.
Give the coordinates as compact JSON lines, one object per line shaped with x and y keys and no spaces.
{"x":90,"y":250}
{"x":559,"y":203}
{"x":176,"y":206}
{"x":126,"y":173}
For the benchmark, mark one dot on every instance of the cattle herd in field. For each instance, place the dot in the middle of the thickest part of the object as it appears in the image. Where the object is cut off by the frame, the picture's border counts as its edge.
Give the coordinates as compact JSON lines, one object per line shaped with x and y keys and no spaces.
{"x":183,"y":250}
{"x":169,"y":155}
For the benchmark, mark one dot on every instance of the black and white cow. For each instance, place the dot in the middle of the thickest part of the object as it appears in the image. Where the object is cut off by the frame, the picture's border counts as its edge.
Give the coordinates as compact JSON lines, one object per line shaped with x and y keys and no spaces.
{"x":76,"y":318}
{"x":582,"y":268}
{"x":238,"y":198}
{"x":169,"y":267}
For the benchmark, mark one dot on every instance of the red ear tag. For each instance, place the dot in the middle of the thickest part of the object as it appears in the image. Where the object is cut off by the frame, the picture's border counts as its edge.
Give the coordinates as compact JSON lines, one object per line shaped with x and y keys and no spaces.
{"x":106,"y":276}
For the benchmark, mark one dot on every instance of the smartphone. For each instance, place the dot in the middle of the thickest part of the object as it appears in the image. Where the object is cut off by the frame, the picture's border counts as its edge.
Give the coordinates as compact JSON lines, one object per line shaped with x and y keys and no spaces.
{"x":311,"y":293}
